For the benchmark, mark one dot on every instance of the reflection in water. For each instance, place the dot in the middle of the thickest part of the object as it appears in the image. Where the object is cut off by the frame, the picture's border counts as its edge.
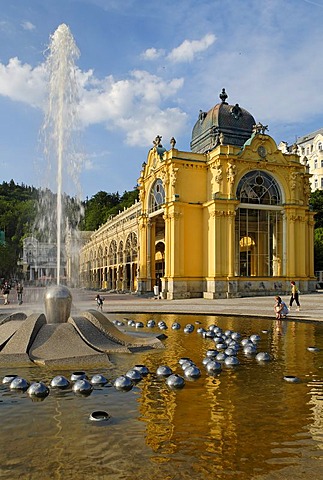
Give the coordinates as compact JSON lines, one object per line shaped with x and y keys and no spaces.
{"x":243,"y":423}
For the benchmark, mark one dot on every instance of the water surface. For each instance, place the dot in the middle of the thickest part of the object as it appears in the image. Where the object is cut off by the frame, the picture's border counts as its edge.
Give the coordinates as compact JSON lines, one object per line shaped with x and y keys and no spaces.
{"x":245,"y":423}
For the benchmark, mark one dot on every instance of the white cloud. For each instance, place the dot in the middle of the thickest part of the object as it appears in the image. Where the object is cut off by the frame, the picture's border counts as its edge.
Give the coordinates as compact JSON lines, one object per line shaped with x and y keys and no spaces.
{"x":140,"y":105}
{"x":21,"y":82}
{"x":152,"y":54}
{"x":189,"y":48}
{"x":135,"y":106}
{"x":28,"y":25}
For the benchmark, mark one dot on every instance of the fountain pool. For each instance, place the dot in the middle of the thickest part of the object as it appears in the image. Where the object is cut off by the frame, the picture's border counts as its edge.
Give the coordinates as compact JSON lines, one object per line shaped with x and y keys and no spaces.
{"x":245,"y":423}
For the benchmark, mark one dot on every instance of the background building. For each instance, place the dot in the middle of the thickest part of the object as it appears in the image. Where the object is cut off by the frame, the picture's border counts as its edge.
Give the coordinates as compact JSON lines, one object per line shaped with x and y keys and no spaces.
{"x":229,"y":218}
{"x":40,"y":262}
{"x":310,"y":149}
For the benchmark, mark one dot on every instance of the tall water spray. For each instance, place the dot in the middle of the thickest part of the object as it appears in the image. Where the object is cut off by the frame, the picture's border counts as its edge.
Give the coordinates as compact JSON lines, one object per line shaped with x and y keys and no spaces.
{"x":59,"y":129}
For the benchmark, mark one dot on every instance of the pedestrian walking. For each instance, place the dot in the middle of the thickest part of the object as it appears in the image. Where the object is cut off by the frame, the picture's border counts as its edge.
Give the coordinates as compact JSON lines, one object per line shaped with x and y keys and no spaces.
{"x":19,"y":290}
{"x":294,"y":296}
{"x":5,"y":292}
{"x":99,"y":301}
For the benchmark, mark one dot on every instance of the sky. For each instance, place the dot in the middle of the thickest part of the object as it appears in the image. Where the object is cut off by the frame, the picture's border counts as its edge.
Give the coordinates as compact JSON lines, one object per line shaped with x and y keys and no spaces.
{"x":146,"y":68}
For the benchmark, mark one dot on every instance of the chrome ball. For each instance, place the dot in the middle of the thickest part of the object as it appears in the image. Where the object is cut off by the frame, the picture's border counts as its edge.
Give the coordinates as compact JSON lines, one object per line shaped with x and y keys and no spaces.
{"x":98,"y":379}
{"x":164,"y":371}
{"x":263,"y":357}
{"x":134,"y":375}
{"x":82,"y":386}
{"x":313,"y":349}
{"x":255,"y":338}
{"x":60,"y":382}
{"x":8,"y":378}
{"x":211,"y":353}
{"x":208,"y":334}
{"x":230,"y":351}
{"x":213,"y":367}
{"x":78,"y":376}
{"x":189,"y":328}
{"x":139,"y":325}
{"x":187,"y":364}
{"x":38,"y":389}
{"x":192,"y":372}
{"x":175,"y":381}
{"x":142,"y":369}
{"x":184,"y":359}
{"x":250,"y":350}
{"x":231,"y":361}
{"x":176,"y":326}
{"x":221,"y":356}
{"x":19,"y":383}
{"x":200,"y":330}
{"x":151,"y":323}
{"x":291,"y":379}
{"x":123,"y":383}
{"x":235,"y":336}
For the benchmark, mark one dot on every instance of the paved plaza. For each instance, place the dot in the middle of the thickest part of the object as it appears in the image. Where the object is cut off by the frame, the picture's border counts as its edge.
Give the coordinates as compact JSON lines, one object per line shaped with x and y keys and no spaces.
{"x":262,"y":307}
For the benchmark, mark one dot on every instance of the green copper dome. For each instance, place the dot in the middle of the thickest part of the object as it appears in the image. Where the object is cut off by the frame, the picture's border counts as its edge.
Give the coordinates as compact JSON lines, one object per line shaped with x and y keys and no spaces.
{"x":224,"y":124}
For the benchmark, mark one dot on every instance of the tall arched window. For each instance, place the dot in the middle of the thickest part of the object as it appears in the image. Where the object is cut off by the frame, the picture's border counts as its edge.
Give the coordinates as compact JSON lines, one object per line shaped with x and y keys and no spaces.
{"x":156,"y":196}
{"x":259,"y":226}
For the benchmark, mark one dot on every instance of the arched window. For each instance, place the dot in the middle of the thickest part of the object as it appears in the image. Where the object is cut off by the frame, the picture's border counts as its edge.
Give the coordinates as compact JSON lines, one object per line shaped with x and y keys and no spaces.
{"x":113,"y":253}
{"x":156,"y":196}
{"x":259,"y":226}
{"x":258,"y":187}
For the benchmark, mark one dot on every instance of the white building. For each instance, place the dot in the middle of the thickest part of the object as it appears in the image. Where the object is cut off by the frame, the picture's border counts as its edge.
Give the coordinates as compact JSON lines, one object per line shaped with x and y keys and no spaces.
{"x":310,"y":148}
{"x":40,"y":261}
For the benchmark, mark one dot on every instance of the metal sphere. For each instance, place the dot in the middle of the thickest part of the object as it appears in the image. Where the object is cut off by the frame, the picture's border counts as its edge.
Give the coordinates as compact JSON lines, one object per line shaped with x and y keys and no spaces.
{"x":255,"y":338}
{"x":151,"y":323}
{"x":19,"y":383}
{"x":313,"y":349}
{"x":211,"y":353}
{"x":134,"y":375}
{"x":213,"y":367}
{"x":189,"y":328}
{"x":123,"y":383}
{"x":139,"y":325}
{"x":8,"y":378}
{"x":231,"y":361}
{"x":175,"y":381}
{"x":250,"y":350}
{"x":176,"y":326}
{"x":235,"y":336}
{"x":192,"y":371}
{"x":98,"y":379}
{"x":221,"y":356}
{"x":263,"y":357}
{"x":187,"y":364}
{"x":230,"y":351}
{"x":60,"y":382}
{"x":58,"y":302}
{"x":82,"y":386}
{"x":38,"y":389}
{"x":142,"y":369}
{"x":164,"y":371}
{"x":291,"y":379}
{"x":78,"y":376}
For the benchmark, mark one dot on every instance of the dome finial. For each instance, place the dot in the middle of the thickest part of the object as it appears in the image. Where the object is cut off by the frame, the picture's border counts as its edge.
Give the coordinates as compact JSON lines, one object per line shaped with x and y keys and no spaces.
{"x":223,"y":96}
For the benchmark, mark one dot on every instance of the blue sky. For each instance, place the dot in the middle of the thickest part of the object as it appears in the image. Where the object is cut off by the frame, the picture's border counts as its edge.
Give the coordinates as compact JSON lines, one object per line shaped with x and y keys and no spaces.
{"x":146,"y":68}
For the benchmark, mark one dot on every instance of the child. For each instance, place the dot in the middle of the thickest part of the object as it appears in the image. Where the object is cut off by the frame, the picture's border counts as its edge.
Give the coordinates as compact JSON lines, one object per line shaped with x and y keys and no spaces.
{"x":280,"y":308}
{"x":99,"y":301}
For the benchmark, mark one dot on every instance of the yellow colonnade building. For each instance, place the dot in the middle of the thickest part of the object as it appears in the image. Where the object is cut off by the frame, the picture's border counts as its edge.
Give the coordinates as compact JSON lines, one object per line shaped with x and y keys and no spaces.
{"x":229,"y":218}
